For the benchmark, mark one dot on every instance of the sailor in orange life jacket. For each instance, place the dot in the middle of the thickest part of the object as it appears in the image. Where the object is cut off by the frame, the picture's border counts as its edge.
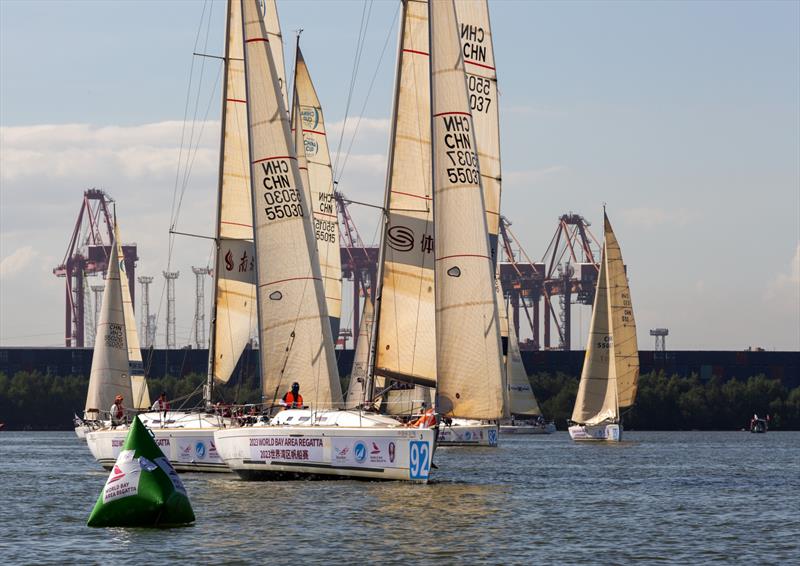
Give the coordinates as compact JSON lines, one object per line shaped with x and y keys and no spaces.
{"x":293,"y":399}
{"x":426,"y":420}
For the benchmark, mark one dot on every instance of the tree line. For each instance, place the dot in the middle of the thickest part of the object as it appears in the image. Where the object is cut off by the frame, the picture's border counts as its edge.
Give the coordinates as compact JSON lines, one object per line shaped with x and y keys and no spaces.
{"x":36,"y":401}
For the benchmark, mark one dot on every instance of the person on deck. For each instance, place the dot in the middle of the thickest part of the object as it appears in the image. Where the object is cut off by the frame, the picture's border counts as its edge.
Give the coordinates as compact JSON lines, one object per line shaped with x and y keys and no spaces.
{"x":117,"y":411}
{"x":161,"y":404}
{"x":293,"y":399}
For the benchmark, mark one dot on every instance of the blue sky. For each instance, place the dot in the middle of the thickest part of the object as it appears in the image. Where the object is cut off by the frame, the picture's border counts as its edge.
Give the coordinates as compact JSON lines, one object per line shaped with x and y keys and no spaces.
{"x":683,"y":116}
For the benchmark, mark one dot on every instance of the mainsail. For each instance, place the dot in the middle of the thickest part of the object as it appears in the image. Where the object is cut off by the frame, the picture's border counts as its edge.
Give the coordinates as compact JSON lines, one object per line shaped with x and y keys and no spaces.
{"x":475,"y":33}
{"x":294,"y":332}
{"x":469,"y":371}
{"x":405,"y":343}
{"x":320,"y":187}
{"x":623,"y":325}
{"x":234,"y":305}
{"x":596,"y":401}
{"x":109,"y":375}
{"x":140,"y":393}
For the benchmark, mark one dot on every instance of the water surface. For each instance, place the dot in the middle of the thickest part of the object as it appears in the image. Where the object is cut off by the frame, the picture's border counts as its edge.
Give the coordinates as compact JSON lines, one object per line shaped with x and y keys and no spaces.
{"x":658,"y":497}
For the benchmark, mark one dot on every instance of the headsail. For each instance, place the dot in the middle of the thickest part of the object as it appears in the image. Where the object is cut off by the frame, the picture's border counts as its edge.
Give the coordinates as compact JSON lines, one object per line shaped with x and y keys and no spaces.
{"x":320,"y":187}
{"x":140,"y":398}
{"x":109,"y":376}
{"x":294,"y":332}
{"x":597,"y":393}
{"x":234,"y":305}
{"x":405,"y":344}
{"x":356,"y":391}
{"x":477,"y":50}
{"x":520,"y":393}
{"x":623,"y":325}
{"x":469,"y":372}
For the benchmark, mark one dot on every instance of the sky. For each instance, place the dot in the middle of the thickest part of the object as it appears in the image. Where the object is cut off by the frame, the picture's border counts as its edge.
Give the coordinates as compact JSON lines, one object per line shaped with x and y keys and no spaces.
{"x":683,"y":117}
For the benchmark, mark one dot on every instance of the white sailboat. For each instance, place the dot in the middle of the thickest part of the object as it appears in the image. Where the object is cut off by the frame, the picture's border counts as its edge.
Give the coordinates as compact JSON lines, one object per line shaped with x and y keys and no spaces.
{"x":294,"y":330}
{"x":140,"y":395}
{"x":526,"y":416}
{"x":611,"y":366}
{"x":469,"y":379}
{"x":187,"y":436}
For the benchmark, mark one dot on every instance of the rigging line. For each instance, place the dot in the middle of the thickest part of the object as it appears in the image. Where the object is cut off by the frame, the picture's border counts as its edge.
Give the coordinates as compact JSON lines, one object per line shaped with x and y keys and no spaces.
{"x":186,"y":111}
{"x":356,"y":62}
{"x":369,"y":92}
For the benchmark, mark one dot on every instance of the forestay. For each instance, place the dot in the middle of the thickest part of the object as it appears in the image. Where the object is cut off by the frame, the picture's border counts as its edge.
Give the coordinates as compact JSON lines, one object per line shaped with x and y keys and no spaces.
{"x":469,"y":371}
{"x":405,"y":345}
{"x":294,"y":332}
{"x":140,"y":393}
{"x":596,"y":401}
{"x":109,"y":375}
{"x":477,"y":49}
{"x":319,"y":190}
{"x":623,"y":325}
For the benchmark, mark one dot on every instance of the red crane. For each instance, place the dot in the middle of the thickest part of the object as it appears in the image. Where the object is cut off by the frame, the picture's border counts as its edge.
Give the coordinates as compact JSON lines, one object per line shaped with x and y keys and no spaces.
{"x":87,"y":254}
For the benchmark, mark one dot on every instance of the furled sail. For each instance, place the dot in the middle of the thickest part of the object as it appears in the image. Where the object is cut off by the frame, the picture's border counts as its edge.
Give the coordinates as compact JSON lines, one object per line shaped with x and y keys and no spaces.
{"x":469,"y":370}
{"x":294,"y":332}
{"x":520,"y":393}
{"x":320,"y":188}
{"x":140,"y":393}
{"x":109,"y":375}
{"x":477,"y":50}
{"x":356,"y":391}
{"x":623,"y":325}
{"x":405,"y":344}
{"x":596,"y":401}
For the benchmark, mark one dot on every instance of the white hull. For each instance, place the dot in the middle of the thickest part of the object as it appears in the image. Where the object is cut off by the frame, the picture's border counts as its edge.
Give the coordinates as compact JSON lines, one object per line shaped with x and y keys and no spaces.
{"x":347,"y":445}
{"x":463,"y":432}
{"x":80,"y":431}
{"x":186,"y":439}
{"x":528,"y":428}
{"x":606,"y":433}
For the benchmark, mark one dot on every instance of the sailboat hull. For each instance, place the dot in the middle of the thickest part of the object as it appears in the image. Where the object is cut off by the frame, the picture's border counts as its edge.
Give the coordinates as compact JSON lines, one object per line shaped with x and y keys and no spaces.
{"x":528,"y":428}
{"x":604,"y":433}
{"x":267,"y":452}
{"x":186,"y":439}
{"x":464,"y":432}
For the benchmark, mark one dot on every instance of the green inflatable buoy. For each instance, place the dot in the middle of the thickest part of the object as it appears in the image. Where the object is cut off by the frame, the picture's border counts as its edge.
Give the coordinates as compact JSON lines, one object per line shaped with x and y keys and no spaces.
{"x":143,"y":489}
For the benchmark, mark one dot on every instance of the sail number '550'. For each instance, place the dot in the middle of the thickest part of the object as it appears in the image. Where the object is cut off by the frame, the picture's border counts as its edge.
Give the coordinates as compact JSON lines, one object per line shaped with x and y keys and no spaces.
{"x":281,"y":199}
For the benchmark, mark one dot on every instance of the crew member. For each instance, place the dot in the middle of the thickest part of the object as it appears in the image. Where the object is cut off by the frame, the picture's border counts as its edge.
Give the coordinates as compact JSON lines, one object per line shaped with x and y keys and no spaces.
{"x":117,"y":411}
{"x":161,"y":404}
{"x":293,"y":399}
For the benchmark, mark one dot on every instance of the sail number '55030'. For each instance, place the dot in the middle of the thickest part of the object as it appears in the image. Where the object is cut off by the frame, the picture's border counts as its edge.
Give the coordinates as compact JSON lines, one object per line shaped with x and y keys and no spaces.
{"x":281,"y":199}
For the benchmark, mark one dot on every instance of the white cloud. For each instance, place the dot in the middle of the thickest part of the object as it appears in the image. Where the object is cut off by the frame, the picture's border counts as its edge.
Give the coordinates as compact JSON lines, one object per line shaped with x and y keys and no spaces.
{"x":17,"y":261}
{"x":650,"y":217}
{"x":786,"y":285}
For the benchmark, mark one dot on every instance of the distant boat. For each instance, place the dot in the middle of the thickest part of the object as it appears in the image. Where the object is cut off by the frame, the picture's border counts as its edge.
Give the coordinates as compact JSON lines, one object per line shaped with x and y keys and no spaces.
{"x":758,"y":425}
{"x":611,"y":366}
{"x":526,"y":416}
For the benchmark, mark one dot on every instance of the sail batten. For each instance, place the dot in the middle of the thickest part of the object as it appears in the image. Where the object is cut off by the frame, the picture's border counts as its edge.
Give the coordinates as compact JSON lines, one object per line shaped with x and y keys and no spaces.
{"x":294,"y":331}
{"x":468,"y":357}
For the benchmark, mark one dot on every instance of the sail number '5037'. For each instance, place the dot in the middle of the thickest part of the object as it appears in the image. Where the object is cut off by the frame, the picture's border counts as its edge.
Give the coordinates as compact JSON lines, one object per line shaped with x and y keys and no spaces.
{"x":281,"y":199}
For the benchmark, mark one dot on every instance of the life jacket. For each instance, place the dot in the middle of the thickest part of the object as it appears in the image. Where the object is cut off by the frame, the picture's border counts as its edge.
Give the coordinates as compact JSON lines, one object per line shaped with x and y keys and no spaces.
{"x":119,"y":411}
{"x":293,"y":403}
{"x":425,"y":420}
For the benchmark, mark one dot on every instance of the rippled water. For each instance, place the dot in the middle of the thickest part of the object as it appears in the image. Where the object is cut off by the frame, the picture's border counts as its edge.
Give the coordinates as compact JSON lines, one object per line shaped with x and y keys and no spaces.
{"x":671,"y":497}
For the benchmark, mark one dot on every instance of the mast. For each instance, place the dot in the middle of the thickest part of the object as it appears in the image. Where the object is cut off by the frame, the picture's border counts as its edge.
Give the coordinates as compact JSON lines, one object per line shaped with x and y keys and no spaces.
{"x":378,"y":284}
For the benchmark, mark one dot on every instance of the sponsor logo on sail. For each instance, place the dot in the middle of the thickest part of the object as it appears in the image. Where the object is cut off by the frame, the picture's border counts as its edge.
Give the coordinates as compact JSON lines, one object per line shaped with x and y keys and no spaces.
{"x":400,"y":238}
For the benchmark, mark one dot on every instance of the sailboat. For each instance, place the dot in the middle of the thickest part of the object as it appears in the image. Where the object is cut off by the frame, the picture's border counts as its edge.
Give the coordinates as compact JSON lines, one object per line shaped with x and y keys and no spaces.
{"x":526,"y":416}
{"x":611,"y":367}
{"x":295,"y":335}
{"x":187,"y":436}
{"x":140,"y":395}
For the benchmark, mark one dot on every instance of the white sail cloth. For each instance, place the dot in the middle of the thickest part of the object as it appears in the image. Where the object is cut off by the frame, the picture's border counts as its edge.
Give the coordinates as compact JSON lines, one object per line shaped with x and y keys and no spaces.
{"x":294,"y":331}
{"x":109,"y":376}
{"x":469,"y":371}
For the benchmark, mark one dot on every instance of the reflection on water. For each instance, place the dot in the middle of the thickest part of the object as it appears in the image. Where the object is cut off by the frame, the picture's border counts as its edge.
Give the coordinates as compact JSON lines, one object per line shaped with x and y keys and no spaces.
{"x":658,"y":496}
